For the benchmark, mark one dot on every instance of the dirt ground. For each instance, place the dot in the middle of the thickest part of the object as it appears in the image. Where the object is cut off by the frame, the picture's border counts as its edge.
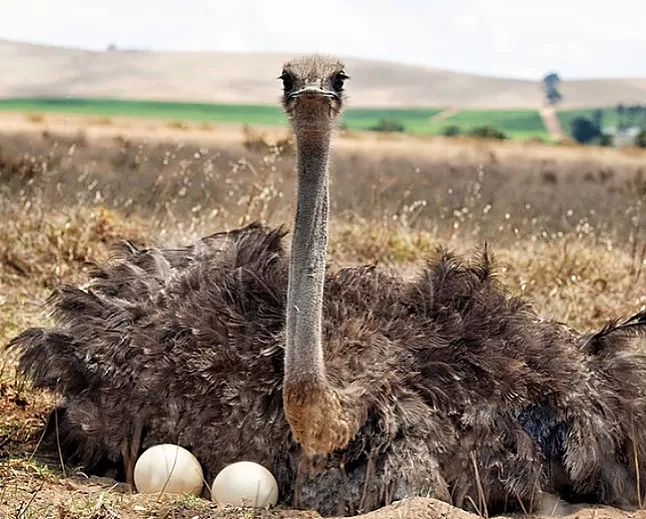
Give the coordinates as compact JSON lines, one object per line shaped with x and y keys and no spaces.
{"x":566,"y":224}
{"x":92,"y":493}
{"x":33,"y":489}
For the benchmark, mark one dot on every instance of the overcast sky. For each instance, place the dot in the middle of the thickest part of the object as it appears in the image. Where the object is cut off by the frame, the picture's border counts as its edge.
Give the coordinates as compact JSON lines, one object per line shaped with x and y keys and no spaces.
{"x":517,"y":38}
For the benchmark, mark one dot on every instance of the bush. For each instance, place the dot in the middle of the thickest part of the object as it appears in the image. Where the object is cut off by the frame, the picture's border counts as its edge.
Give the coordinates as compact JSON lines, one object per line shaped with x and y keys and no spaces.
{"x":451,"y":131}
{"x":35,"y":117}
{"x":22,"y":168}
{"x":267,"y":142}
{"x":640,"y":140}
{"x":388,"y":125}
{"x":583,"y":130}
{"x":487,"y":132}
{"x":606,"y":140}
{"x":178,"y":125}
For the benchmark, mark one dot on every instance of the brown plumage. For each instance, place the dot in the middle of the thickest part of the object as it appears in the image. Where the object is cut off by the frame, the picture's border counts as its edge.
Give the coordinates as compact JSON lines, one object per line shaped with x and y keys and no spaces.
{"x":443,"y":385}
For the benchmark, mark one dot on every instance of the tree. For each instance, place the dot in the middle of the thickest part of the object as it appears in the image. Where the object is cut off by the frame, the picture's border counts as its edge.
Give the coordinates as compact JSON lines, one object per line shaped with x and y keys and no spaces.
{"x":550,"y":85}
{"x":606,"y":140}
{"x":551,"y":80}
{"x":640,"y":140}
{"x":621,"y":112}
{"x":584,"y":130}
{"x":633,"y":114}
{"x":597,"y":117}
{"x":639,"y":113}
{"x":553,"y":96}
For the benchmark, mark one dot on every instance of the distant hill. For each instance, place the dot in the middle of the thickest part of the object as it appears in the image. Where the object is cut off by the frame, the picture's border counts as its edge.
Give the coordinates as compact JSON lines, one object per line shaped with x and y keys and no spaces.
{"x":249,"y":78}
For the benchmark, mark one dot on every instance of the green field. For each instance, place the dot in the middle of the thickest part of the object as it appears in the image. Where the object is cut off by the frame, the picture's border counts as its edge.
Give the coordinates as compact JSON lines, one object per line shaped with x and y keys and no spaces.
{"x":155,"y":109}
{"x":609,"y":117}
{"x":514,"y":123}
{"x":359,"y":119}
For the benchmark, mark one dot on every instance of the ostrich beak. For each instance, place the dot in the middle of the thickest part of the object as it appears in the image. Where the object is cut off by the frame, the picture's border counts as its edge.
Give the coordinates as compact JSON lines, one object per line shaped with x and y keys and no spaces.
{"x":312,"y":108}
{"x":312,"y":92}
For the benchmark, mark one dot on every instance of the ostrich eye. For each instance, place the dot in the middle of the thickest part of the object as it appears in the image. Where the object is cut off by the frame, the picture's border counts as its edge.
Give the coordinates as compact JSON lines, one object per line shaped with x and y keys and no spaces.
{"x":338,"y":81}
{"x":288,"y":81}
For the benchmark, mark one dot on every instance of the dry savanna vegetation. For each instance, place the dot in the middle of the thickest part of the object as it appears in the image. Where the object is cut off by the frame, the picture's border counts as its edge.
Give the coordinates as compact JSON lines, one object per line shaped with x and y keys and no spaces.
{"x":566,"y":225}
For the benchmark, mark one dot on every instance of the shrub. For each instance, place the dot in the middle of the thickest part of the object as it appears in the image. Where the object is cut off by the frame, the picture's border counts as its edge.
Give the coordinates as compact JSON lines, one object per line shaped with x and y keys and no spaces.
{"x":583,"y":130}
{"x":452,"y":130}
{"x":100,"y":121}
{"x":388,"y":125}
{"x":606,"y":140}
{"x":487,"y":132}
{"x":178,"y":125}
{"x":35,"y":117}
{"x":640,"y":140}
{"x":265,"y":142}
{"x":21,"y":168}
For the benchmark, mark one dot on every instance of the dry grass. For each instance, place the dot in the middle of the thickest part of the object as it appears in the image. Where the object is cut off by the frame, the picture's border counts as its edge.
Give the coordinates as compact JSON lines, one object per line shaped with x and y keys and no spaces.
{"x":100,"y":121}
{"x":178,"y":125}
{"x":35,"y":117}
{"x":568,"y":234}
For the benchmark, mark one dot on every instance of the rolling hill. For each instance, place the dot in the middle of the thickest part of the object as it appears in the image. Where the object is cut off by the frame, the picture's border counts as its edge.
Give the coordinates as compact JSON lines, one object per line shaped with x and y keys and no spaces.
{"x":30,"y":70}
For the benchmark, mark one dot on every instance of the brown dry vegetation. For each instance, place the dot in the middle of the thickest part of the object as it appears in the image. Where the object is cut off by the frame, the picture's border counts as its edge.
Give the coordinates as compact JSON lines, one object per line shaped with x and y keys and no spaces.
{"x":567,"y":231}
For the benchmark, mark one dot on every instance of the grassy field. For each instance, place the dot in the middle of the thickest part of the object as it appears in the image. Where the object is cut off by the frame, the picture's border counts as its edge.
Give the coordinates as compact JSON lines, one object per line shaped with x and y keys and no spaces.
{"x":160,"y":110}
{"x":517,"y":124}
{"x":520,"y":124}
{"x":568,"y":232}
{"x":609,"y":117}
{"x":514,"y":123}
{"x":354,"y":119}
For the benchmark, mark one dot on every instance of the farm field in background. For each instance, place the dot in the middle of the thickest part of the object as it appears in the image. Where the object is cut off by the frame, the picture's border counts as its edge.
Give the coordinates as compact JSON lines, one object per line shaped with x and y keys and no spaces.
{"x":609,"y":116}
{"x":516,"y":124}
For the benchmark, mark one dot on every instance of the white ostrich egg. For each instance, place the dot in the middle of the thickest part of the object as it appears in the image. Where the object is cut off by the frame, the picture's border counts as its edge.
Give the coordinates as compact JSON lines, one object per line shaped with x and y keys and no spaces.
{"x":170,"y":469}
{"x":245,"y":483}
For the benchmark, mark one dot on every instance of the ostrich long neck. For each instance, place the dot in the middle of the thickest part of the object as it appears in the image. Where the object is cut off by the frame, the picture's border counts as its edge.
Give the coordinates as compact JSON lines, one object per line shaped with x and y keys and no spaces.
{"x":304,"y":353}
{"x":322,"y":418}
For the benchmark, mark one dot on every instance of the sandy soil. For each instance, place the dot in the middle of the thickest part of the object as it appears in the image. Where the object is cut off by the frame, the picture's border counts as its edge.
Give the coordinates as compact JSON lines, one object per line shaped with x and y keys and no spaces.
{"x":73,"y":497}
{"x":552,"y":123}
{"x":107,"y":499}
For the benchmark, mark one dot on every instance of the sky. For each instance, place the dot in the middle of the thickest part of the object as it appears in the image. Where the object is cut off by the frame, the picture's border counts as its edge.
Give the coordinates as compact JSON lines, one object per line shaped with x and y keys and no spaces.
{"x":513,"y":38}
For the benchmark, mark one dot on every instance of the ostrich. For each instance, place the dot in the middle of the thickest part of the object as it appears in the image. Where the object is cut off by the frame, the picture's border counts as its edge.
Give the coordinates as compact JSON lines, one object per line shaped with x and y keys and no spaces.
{"x":356,"y":387}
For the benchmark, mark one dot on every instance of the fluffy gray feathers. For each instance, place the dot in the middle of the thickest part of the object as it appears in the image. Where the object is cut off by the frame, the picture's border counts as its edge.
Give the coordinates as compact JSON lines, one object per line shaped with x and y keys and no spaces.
{"x":186,"y":346}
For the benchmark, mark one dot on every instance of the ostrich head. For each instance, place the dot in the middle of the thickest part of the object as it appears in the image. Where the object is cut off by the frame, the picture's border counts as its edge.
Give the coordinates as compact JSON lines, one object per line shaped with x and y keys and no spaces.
{"x":313,"y":92}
